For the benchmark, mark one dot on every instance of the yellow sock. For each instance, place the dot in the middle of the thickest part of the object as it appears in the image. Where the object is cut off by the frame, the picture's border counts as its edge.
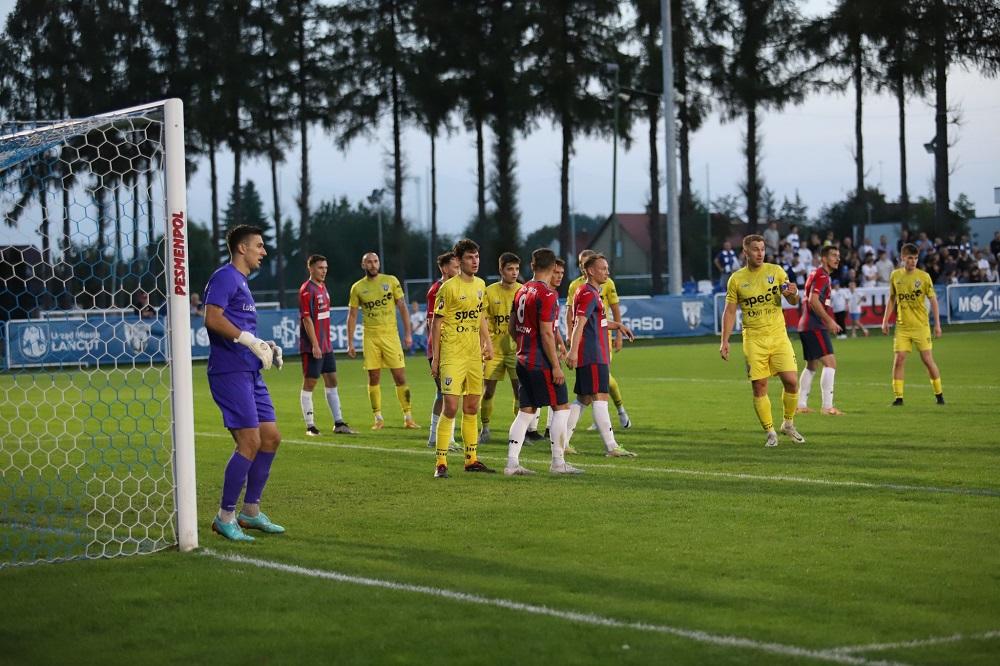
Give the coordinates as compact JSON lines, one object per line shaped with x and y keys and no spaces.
{"x":789,"y":401}
{"x":486,"y":411}
{"x":614,"y":391}
{"x":443,"y":439}
{"x":403,"y":395}
{"x":936,"y":385}
{"x":897,"y":388}
{"x":469,"y":437}
{"x":375,"y":398}
{"x":763,"y":408}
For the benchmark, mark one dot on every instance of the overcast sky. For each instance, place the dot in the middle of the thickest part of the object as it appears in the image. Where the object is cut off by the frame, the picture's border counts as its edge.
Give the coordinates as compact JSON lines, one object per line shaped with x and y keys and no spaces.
{"x":806,"y":149}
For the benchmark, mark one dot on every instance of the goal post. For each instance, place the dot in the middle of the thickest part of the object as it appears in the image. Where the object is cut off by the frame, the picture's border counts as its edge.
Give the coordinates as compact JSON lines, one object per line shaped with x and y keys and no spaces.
{"x":96,"y":392}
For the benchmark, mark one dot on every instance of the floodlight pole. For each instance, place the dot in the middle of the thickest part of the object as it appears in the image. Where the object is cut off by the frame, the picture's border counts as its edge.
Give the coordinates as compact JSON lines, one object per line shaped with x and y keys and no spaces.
{"x":673,"y":214}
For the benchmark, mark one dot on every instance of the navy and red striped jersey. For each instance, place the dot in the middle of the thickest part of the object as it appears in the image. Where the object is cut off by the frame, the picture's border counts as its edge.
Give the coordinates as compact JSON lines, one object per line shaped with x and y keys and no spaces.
{"x":431,"y":303}
{"x":535,"y":305}
{"x":818,"y":282}
{"x":314,"y":303}
{"x":594,"y":343}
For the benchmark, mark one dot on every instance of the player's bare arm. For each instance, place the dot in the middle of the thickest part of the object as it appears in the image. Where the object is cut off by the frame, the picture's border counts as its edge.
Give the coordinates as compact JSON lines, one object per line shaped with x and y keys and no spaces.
{"x":623,"y":330}
{"x":352,"y":322}
{"x":549,"y":347}
{"x":791,"y":293}
{"x":816,"y":306}
{"x":617,"y":312}
{"x":890,"y":307}
{"x":728,"y":322}
{"x":216,"y":322}
{"x":435,"y":346}
{"x":404,"y":312}
{"x":485,"y":342}
{"x":937,"y":317}
{"x":307,"y":326}
{"x":574,"y":347}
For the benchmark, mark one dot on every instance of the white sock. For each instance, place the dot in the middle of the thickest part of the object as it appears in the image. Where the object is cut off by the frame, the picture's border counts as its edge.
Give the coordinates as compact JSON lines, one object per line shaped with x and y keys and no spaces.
{"x":548,"y":417}
{"x":574,"y":417}
{"x":432,"y":435}
{"x":306,"y":402}
{"x":227,"y":516}
{"x":826,"y":386}
{"x":333,"y":400}
{"x":515,"y":437}
{"x":621,"y":409}
{"x":557,"y":434}
{"x":251,"y":510}
{"x":534,"y":422}
{"x":805,"y":385}
{"x":603,"y":420}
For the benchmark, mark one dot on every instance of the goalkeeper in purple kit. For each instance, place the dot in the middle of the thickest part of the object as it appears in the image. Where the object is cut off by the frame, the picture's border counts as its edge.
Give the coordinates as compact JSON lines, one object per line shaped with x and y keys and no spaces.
{"x":236,"y":357}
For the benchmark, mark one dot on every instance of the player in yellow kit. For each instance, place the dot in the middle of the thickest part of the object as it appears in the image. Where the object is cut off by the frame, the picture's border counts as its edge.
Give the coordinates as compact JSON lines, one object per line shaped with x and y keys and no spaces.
{"x":379,"y":297}
{"x":909,"y":288}
{"x":757,"y":289}
{"x":499,"y":300}
{"x":609,"y":296}
{"x":461,"y":342}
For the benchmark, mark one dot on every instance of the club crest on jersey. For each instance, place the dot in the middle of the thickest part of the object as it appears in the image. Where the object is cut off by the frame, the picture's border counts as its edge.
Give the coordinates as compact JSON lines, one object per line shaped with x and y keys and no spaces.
{"x":385,"y":287}
{"x":479,"y":294}
{"x":916,"y":283}
{"x":770,"y":279}
{"x":447,"y":381}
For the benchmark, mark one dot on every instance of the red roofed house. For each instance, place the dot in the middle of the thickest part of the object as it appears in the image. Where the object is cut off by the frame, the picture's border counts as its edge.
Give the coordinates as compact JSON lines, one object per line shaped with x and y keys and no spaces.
{"x":624,"y":239}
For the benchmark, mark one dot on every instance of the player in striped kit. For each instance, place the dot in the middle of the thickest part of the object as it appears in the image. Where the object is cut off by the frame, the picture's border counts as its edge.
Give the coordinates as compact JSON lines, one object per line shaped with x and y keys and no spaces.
{"x":815,"y":327}
{"x":589,"y":353}
{"x":316,"y":347}
{"x":541,"y":381}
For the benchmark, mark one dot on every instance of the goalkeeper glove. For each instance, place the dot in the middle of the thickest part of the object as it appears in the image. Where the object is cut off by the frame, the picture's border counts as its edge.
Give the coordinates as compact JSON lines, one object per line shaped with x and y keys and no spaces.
{"x":259,"y":348}
{"x":278,"y":355}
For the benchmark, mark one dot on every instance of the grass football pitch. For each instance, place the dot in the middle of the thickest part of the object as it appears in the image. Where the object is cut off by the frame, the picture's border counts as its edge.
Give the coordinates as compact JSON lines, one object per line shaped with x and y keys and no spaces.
{"x":876,"y":541}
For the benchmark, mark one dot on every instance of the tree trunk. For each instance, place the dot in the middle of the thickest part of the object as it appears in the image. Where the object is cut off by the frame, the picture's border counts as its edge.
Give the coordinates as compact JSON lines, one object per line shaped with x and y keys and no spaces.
{"x":67,"y":241}
{"x":655,"y":229}
{"x":43,"y":202}
{"x":434,"y":201}
{"x":481,"y":174}
{"x":860,"y":196}
{"x":213,"y":178}
{"x":941,"y":197}
{"x":304,"y":184}
{"x":278,"y":245}
{"x":686,"y":202}
{"x":752,"y":191}
{"x":904,"y":195}
{"x":397,"y":187}
{"x":135,"y":215}
{"x":565,"y":242}
{"x":238,"y":183}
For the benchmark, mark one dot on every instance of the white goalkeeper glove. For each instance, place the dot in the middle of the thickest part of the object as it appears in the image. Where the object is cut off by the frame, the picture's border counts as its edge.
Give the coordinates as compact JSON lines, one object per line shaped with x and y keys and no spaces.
{"x":277,"y":354}
{"x":259,"y":348}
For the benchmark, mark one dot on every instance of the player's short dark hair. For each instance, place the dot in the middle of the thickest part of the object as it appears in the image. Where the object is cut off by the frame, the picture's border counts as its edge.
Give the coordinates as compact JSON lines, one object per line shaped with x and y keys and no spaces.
{"x":909,"y":250}
{"x":593,"y":259}
{"x":752,"y":238}
{"x":561,"y":263}
{"x":542,"y":259}
{"x":508,"y":258}
{"x":583,"y":256}
{"x":240,"y":233}
{"x":828,"y":249}
{"x":463,"y":246}
{"x":445,"y":258}
{"x":314,"y":259}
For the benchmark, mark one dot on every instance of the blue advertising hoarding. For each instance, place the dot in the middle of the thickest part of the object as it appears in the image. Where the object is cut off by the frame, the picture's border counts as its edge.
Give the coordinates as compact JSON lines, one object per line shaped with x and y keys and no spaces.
{"x":973,"y":302}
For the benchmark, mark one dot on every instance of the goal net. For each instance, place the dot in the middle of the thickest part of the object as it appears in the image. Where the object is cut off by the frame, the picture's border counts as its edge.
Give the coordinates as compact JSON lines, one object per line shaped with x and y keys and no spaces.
{"x":96,"y":410}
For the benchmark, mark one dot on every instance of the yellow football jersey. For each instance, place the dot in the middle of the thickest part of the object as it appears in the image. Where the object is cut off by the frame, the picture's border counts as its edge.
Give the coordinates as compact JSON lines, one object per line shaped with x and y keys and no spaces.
{"x":758,"y":293}
{"x":910,"y":290}
{"x":460,"y":305}
{"x":376,"y":298}
{"x":499,"y":300}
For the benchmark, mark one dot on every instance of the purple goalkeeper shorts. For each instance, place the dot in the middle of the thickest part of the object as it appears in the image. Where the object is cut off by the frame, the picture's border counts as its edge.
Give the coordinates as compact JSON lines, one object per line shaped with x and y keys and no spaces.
{"x":243,"y":399}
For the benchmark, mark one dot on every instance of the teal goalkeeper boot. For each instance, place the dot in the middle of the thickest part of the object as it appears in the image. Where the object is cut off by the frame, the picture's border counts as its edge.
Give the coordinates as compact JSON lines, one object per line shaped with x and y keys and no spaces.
{"x":231,"y":531}
{"x":259,"y":522}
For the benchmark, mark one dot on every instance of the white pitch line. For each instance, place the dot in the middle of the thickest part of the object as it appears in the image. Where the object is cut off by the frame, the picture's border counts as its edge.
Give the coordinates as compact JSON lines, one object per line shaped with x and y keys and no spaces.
{"x":934,"y":640}
{"x":571,"y":616}
{"x":721,"y":380}
{"x":739,"y":476}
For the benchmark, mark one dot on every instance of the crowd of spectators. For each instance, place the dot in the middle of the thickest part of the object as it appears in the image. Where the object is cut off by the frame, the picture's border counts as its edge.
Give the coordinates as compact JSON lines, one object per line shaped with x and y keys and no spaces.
{"x":953,"y":260}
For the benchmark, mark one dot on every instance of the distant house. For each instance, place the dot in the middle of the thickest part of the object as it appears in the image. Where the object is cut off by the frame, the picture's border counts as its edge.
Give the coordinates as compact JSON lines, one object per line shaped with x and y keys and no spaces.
{"x":625,"y":240}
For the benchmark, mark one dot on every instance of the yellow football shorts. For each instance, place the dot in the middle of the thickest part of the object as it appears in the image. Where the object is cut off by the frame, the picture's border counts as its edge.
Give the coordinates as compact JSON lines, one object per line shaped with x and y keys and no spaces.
{"x":905,"y":340}
{"x":383,"y":350}
{"x":498,"y":366}
{"x":461,"y":376}
{"x":769,"y":355}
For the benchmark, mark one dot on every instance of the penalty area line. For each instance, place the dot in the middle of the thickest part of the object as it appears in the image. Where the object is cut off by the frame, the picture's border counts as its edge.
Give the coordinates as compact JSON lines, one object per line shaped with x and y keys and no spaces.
{"x":922,"y":642}
{"x":736,"y":476}
{"x":533,"y":609}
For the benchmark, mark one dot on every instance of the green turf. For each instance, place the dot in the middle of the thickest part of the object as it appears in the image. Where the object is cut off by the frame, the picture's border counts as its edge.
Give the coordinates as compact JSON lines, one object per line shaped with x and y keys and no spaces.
{"x":883,"y":528}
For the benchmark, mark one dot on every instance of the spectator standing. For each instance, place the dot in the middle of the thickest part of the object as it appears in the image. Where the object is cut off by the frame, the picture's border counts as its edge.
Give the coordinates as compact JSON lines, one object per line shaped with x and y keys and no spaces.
{"x":869,"y":271}
{"x":838,"y":303}
{"x":197,"y":307}
{"x":793,"y":238}
{"x":995,"y":245}
{"x":884,"y":267}
{"x":772,"y":239}
{"x":855,"y":301}
{"x":418,"y":323}
{"x":866,"y":249}
{"x":727,"y":262}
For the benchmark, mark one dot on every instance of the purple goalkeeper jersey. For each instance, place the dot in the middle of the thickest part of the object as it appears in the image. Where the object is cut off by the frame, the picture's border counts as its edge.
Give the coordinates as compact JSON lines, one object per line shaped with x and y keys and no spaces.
{"x":227,"y":288}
